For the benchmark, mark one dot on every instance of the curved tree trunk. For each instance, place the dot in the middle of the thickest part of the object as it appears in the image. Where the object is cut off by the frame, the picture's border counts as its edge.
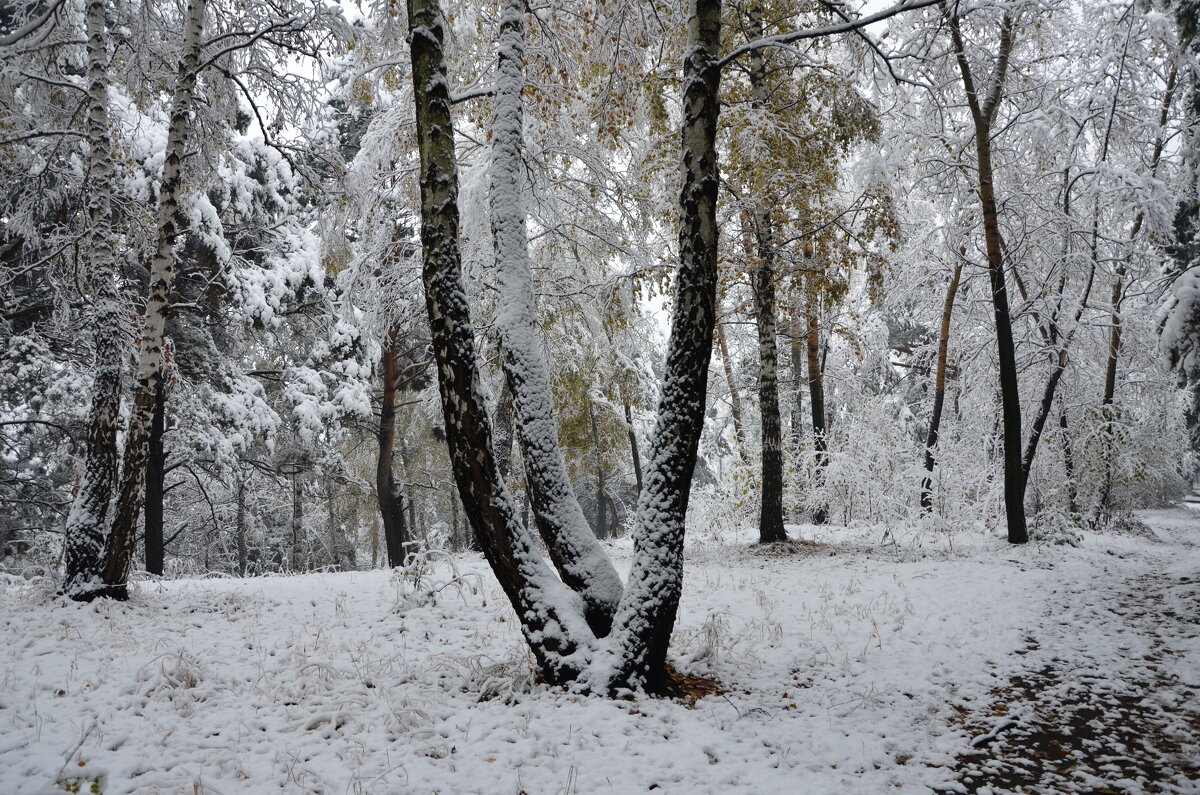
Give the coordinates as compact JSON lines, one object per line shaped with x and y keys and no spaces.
{"x":87,"y":522}
{"x":573,"y":547}
{"x":939,"y":389}
{"x":552,"y":624}
{"x":119,"y":550}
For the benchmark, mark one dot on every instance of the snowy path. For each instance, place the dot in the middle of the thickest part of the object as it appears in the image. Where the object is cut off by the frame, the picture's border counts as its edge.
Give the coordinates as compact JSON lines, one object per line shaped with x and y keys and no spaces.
{"x":1111,"y":707}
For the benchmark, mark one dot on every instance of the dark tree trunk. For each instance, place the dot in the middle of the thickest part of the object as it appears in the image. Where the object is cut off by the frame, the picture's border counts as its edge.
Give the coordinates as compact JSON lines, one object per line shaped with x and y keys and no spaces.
{"x":633,"y":447}
{"x":816,"y":393}
{"x":939,"y":389}
{"x":796,"y":344}
{"x":983,"y":111}
{"x":155,"y":473}
{"x":297,"y":558}
{"x":391,"y":505}
{"x":770,"y":518}
{"x":601,"y":501}
{"x":241,"y":526}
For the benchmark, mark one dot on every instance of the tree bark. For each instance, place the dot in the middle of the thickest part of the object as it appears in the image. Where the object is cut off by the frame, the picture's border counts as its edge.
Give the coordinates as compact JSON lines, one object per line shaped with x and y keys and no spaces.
{"x":939,"y":389}
{"x":155,"y":474}
{"x":241,"y":526}
{"x":573,"y":547}
{"x":816,"y":392}
{"x":297,"y":562}
{"x":770,"y":518}
{"x":554,"y":628}
{"x":796,"y":344}
{"x":391,"y":505}
{"x":171,"y":223}
{"x":601,"y":506}
{"x":634,"y":452}
{"x":87,"y":521}
{"x":647,"y":612}
{"x":982,"y":115}
{"x":735,"y":401}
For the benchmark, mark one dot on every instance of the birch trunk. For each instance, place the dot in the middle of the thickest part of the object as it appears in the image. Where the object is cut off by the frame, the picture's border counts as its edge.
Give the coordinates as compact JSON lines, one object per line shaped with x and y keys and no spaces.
{"x":646,"y":616}
{"x":170,"y":222}
{"x":551,"y":618}
{"x":574,"y":549}
{"x":87,"y":521}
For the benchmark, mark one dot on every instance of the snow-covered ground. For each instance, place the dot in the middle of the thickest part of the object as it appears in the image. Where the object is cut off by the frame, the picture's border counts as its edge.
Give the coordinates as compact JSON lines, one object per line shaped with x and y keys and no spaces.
{"x":846,"y":667}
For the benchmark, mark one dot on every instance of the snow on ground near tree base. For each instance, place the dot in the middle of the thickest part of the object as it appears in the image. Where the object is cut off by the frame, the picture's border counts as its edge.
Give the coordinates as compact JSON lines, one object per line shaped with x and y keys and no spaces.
{"x":842,"y":664}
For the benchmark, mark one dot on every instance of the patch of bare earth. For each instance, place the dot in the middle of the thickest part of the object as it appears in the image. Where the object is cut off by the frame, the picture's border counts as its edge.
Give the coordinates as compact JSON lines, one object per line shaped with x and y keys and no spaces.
{"x":1116,"y":709}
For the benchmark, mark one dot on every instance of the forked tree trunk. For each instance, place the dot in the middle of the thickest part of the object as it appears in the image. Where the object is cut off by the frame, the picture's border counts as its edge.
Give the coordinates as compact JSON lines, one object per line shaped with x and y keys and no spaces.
{"x":156,"y":466}
{"x":391,"y":505}
{"x":87,"y":521}
{"x":983,"y":111}
{"x":634,"y":655}
{"x":939,"y":389}
{"x":170,"y":223}
{"x":573,"y":547}
{"x":816,"y":392}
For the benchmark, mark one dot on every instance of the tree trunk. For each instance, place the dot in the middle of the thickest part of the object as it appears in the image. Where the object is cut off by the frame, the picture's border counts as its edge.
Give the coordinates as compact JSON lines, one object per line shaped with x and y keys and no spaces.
{"x":647,"y":612}
{"x":939,"y":389}
{"x":982,"y":114}
{"x":816,"y":392}
{"x":171,"y":223}
{"x":1068,"y":462}
{"x":796,"y":343}
{"x":391,"y":505}
{"x":155,"y":474}
{"x":241,"y":526}
{"x":573,"y":547}
{"x":633,"y":446}
{"x":297,"y":561}
{"x":87,"y":522}
{"x":504,"y":431}
{"x":735,"y":402}
{"x":770,"y":519}
{"x":553,"y":627}
{"x":601,"y":506}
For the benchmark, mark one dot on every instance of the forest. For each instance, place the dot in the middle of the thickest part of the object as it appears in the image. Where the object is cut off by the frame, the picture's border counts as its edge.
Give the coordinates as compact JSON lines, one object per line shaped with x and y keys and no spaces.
{"x":378,"y":369}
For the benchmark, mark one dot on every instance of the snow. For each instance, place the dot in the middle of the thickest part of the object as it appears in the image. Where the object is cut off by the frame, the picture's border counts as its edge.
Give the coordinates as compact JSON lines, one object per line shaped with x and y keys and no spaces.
{"x":843,"y":665}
